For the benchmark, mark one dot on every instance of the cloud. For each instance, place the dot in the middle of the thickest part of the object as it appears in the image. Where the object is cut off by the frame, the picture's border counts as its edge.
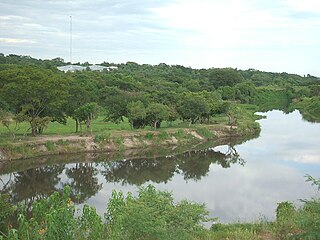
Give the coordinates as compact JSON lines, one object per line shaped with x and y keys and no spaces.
{"x":16,"y":41}
{"x":273,"y":35}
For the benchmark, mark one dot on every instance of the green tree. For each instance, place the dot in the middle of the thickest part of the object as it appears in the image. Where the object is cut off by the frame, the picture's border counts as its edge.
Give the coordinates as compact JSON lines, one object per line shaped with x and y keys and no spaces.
{"x":219,"y":77}
{"x":35,"y":93}
{"x":136,"y":114}
{"x":82,"y":90}
{"x":87,"y":113}
{"x":156,"y":113}
{"x":192,"y":106}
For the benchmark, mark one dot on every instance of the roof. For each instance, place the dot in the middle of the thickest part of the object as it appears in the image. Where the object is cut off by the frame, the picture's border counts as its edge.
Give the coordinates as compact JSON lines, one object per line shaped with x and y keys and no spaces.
{"x":73,"y":68}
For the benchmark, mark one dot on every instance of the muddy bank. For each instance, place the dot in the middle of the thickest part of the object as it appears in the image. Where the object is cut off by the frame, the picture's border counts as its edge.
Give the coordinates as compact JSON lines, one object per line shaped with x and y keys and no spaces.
{"x":126,"y":143}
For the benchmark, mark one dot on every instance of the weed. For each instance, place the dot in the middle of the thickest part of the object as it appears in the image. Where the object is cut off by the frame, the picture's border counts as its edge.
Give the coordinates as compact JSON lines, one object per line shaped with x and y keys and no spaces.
{"x":102,"y":137}
{"x":50,"y":146}
{"x":149,"y":136}
{"x":205,"y":132}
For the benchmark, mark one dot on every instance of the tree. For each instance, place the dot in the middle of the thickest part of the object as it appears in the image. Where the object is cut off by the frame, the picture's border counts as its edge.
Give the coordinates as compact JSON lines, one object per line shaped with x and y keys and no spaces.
{"x":156,"y":113}
{"x":227,"y":92}
{"x":82,"y":90}
{"x":192,"y":106}
{"x":8,"y":119}
{"x":245,"y":92}
{"x":86,"y":113}
{"x":35,"y":93}
{"x":136,"y":114}
{"x":219,"y":77}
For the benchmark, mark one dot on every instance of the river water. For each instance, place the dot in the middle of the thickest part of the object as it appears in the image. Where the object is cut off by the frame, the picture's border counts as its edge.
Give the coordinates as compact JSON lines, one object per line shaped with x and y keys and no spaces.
{"x":241,"y":182}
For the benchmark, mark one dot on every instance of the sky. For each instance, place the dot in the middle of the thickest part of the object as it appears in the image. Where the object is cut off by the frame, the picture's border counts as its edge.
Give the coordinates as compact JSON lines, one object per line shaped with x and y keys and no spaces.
{"x":268,"y":35}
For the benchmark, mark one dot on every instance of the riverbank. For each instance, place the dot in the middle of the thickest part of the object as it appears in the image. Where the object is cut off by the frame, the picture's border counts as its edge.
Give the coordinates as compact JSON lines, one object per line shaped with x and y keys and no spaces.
{"x":126,"y":142}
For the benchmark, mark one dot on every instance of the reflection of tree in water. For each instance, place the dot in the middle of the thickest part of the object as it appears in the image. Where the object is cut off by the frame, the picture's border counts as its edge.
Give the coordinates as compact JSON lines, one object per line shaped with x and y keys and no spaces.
{"x":192,"y":165}
{"x":195,"y":165}
{"x":34,"y":184}
{"x":232,"y":156}
{"x":83,"y":181}
{"x":139,"y":171}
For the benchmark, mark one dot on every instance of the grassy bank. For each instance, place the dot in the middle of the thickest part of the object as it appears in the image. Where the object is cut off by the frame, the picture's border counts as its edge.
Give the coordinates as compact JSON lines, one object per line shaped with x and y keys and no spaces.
{"x":110,"y":137}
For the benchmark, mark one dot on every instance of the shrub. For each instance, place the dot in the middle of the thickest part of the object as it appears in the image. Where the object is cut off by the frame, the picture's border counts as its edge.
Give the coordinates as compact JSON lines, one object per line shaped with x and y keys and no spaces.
{"x":50,"y":145}
{"x":149,"y":136}
{"x":102,"y":137}
{"x":153,"y":215}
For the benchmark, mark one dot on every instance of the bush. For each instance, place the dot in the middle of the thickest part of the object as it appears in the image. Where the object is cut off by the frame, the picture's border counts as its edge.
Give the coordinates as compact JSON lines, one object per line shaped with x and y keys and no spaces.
{"x":149,"y":136}
{"x":6,"y":210}
{"x":153,"y":215}
{"x":102,"y":137}
{"x":50,"y":145}
{"x":150,"y":215}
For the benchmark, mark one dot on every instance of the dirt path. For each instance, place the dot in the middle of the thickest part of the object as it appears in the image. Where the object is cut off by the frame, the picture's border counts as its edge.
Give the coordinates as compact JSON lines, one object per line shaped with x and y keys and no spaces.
{"x":55,"y":138}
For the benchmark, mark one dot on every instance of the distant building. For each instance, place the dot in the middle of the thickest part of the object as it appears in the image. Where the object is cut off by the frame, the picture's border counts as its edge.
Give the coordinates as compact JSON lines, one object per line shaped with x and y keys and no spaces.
{"x":73,"y":68}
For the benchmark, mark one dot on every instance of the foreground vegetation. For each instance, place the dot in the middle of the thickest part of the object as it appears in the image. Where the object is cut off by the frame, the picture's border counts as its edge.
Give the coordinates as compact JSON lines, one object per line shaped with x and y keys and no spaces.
{"x":150,"y":215}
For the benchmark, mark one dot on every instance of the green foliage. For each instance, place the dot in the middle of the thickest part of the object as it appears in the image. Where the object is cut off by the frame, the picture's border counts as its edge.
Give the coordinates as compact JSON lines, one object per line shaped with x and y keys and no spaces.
{"x":205,"y":132}
{"x":245,"y":92}
{"x":193,"y":106}
{"x":308,"y":217}
{"x":220,"y":231}
{"x":272,"y":98}
{"x":6,"y":210}
{"x":50,"y":146}
{"x":224,"y":77}
{"x":149,"y":136}
{"x":163,"y":136}
{"x":153,"y":215}
{"x":102,"y":137}
{"x":118,"y":140}
{"x":180,"y":134}
{"x":136,"y":114}
{"x":243,"y":118}
{"x":150,"y":215}
{"x":310,"y":108}
{"x":314,"y":182}
{"x":156,"y":113}
{"x":35,"y":93}
{"x":62,"y":142}
{"x":285,"y":223}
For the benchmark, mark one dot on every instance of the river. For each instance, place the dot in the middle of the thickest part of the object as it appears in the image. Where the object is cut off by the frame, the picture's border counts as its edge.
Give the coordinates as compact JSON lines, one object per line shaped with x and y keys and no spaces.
{"x":241,"y":182}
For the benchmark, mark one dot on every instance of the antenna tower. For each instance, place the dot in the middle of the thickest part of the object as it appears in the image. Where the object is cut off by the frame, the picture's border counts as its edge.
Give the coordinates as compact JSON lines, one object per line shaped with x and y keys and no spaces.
{"x":71,"y":40}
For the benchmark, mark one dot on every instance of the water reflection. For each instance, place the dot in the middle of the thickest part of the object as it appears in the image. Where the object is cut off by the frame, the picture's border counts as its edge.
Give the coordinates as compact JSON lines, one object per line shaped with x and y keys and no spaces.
{"x":33,"y":184}
{"x":36,"y":183}
{"x":191,"y":165}
{"x":236,"y":181}
{"x":83,"y":180}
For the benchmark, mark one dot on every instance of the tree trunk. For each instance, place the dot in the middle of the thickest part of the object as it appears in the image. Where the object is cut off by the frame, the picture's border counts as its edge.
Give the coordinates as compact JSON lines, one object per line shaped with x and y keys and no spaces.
{"x":33,"y":128}
{"x":155,"y":125}
{"x":77,"y":125}
{"x":88,"y":123}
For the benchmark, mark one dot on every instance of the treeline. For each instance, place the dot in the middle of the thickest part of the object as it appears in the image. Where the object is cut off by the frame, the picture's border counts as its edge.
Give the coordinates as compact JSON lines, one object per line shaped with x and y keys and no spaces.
{"x":35,"y":91}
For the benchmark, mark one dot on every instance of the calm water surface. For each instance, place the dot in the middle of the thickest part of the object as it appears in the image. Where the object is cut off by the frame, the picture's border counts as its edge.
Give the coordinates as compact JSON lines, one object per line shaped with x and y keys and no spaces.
{"x":237,"y":183}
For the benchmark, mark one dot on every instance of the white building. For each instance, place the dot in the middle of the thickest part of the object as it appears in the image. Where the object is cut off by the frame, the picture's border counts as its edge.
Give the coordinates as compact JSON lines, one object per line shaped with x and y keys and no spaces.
{"x":73,"y":68}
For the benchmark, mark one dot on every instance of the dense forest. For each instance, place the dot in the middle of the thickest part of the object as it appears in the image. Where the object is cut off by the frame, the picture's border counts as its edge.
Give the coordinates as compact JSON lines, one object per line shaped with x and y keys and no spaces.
{"x":35,"y":91}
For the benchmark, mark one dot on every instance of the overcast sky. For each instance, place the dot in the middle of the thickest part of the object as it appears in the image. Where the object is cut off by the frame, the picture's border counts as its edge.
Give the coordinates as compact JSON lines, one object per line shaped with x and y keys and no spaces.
{"x":269,"y":35}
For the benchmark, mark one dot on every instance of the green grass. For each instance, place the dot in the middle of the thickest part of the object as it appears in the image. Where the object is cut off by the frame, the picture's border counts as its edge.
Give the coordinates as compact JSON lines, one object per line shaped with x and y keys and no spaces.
{"x":98,"y":125}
